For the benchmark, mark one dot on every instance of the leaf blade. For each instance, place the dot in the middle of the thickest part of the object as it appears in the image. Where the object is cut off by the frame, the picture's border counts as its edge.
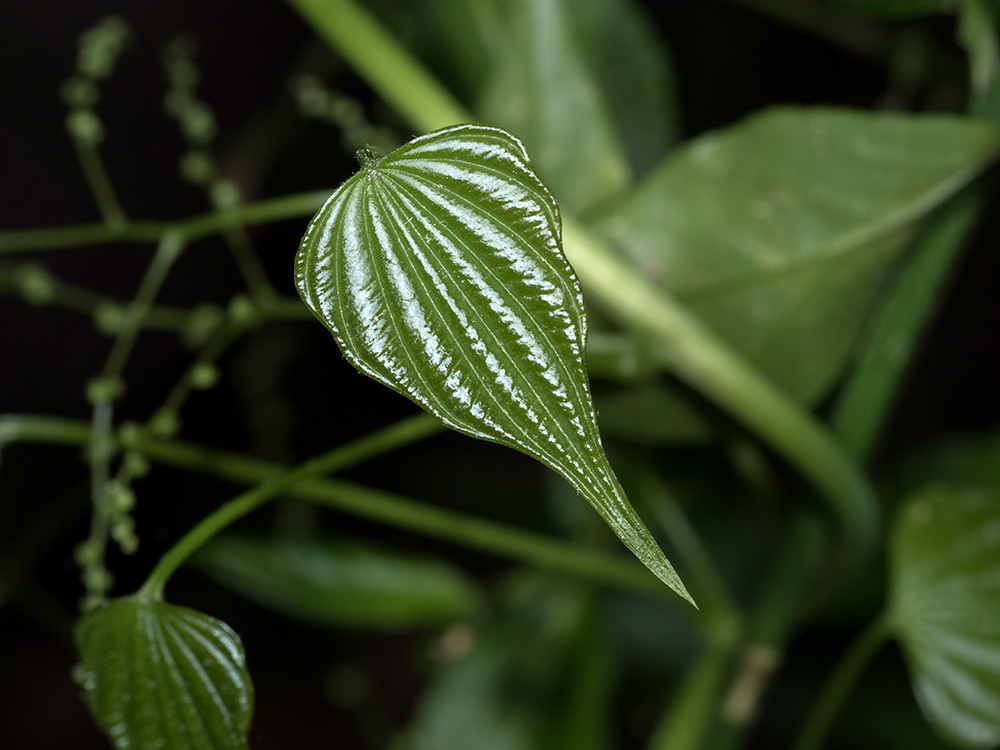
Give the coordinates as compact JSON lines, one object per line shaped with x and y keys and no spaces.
{"x":945,"y":607}
{"x":161,"y":676}
{"x":441,"y":274}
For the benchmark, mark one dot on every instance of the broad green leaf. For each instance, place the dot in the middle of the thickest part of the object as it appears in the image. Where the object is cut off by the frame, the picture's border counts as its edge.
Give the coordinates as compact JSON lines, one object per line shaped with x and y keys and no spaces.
{"x":945,"y":607}
{"x":160,"y":677}
{"x":538,"y":679}
{"x":543,"y":91}
{"x":336,"y":582}
{"x":654,"y":414}
{"x":898,"y":9}
{"x":778,"y":231}
{"x":440,"y":271}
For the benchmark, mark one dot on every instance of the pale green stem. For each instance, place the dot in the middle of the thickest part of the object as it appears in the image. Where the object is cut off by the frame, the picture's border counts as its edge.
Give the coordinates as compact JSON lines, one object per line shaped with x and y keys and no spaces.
{"x":100,"y":184}
{"x":249,"y":265}
{"x":170,"y":248}
{"x":840,"y":683}
{"x":375,"y":505}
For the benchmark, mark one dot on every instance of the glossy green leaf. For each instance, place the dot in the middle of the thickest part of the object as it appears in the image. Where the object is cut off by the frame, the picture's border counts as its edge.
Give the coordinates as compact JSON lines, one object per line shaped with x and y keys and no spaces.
{"x":439,"y":270}
{"x":336,"y":582}
{"x":543,"y":91}
{"x":653,"y":414}
{"x":945,"y":607}
{"x":778,"y":232}
{"x":160,"y":677}
{"x":538,"y":679}
{"x":897,"y":9}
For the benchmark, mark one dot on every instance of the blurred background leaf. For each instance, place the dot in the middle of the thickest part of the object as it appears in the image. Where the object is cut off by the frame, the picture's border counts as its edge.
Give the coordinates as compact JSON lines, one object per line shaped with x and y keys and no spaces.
{"x":338,"y":582}
{"x":945,"y":607}
{"x":778,"y":231}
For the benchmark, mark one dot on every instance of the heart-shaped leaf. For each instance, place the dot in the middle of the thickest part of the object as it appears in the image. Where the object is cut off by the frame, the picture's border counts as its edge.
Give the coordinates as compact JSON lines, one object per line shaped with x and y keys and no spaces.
{"x":440,"y":271}
{"x":945,"y":607}
{"x":160,"y":677}
{"x":336,"y":582}
{"x":778,"y":231}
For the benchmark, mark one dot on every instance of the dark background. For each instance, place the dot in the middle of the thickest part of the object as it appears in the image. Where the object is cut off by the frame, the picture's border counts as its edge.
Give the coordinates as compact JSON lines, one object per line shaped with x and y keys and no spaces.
{"x":283,"y":389}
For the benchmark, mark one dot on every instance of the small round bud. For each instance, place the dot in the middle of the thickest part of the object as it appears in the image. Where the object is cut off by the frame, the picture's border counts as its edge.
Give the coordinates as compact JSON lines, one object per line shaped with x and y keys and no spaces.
{"x":130,"y":434}
{"x":198,"y":122}
{"x":87,"y":553}
{"x":176,"y":103}
{"x":85,"y":126}
{"x":104,"y":390}
{"x":122,"y":497}
{"x":35,"y":284}
{"x":204,"y":375}
{"x":198,"y":167}
{"x":109,"y":318}
{"x":97,"y":579}
{"x":165,"y":423}
{"x":182,"y":74}
{"x":136,"y":464}
{"x":242,"y":311}
{"x":226,"y":194}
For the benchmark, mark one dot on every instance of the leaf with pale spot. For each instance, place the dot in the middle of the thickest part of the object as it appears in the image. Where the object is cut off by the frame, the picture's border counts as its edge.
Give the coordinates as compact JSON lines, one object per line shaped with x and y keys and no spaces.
{"x":439,"y":269}
{"x":164,"y":677}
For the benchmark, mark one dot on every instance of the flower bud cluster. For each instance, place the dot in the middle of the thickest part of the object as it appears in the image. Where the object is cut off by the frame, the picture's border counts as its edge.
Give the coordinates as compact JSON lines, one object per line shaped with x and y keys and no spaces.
{"x":317,"y":101}
{"x":98,"y":51}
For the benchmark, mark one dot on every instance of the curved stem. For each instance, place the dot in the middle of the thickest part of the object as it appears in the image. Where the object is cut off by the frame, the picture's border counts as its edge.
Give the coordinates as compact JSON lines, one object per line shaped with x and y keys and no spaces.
{"x":839,"y":684}
{"x":339,"y":458}
{"x":376,"y":505}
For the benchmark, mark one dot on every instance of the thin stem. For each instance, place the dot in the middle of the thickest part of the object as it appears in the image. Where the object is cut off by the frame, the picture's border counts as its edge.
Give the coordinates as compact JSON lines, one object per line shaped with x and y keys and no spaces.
{"x":867,"y":397}
{"x":217,"y":345}
{"x":100,"y":184}
{"x":375,"y":505}
{"x":839,"y":684}
{"x":374,"y":53}
{"x":195,"y":227}
{"x":249,"y":265}
{"x":170,"y":248}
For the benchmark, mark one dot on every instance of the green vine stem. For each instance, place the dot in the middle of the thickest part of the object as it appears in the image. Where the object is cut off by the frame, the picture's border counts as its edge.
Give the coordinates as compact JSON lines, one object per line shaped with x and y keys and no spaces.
{"x":376,"y":505}
{"x":840,"y":683}
{"x":685,"y":723}
{"x":99,"y":183}
{"x":867,"y":397}
{"x":681,"y":342}
{"x":193,"y":228}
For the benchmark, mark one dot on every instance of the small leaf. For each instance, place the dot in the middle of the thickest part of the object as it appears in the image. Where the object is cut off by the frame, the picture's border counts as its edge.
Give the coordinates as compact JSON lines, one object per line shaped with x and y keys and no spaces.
{"x":945,"y":608}
{"x":440,"y":271}
{"x":543,"y":91}
{"x":162,"y":677}
{"x":778,"y":232}
{"x":336,"y":582}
